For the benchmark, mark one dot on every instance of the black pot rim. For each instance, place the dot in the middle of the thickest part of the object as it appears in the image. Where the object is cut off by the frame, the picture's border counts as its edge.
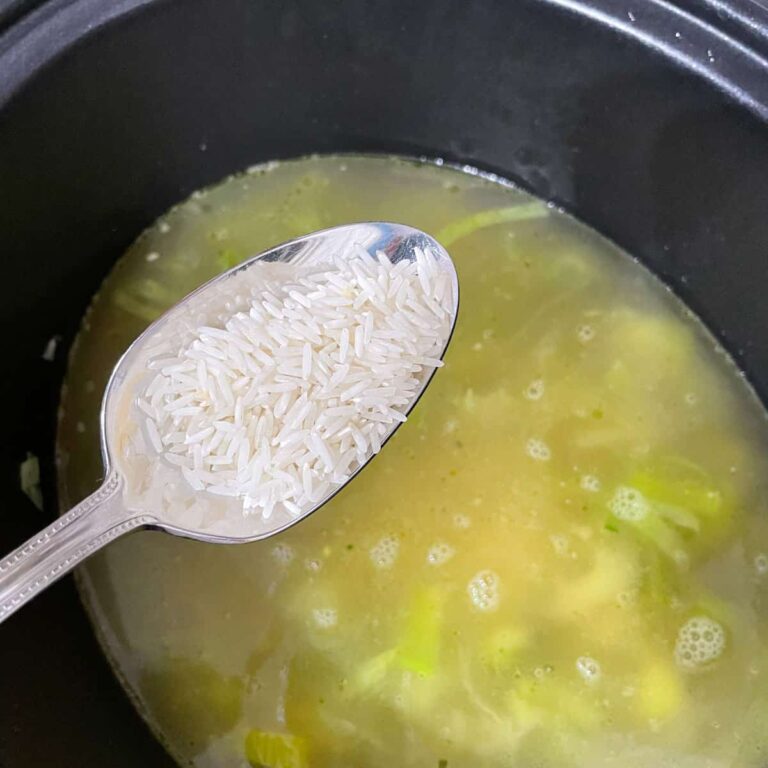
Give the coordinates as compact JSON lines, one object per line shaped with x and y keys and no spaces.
{"x":722,"y":41}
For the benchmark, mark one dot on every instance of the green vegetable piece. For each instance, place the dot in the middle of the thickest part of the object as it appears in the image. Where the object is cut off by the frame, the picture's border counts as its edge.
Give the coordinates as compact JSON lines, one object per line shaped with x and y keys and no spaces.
{"x":29,"y":478}
{"x":275,"y":750}
{"x":685,"y":508}
{"x":420,"y":647}
{"x":371,"y":674}
{"x":675,"y":482}
{"x":660,"y":533}
{"x":469,"y":224}
{"x":679,"y":516}
{"x":660,"y":691}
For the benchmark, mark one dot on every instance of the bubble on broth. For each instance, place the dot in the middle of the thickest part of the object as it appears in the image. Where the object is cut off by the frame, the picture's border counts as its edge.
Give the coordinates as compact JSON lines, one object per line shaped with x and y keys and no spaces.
{"x":483,"y":590}
{"x":535,"y":390}
{"x":384,"y":553}
{"x":462,"y":521}
{"x":700,"y":641}
{"x":325,"y":618}
{"x":585,"y":333}
{"x":450,"y":426}
{"x":589,"y":669}
{"x":560,"y":544}
{"x":590,"y":483}
{"x":628,"y":504}
{"x":538,"y":450}
{"x":440,"y":553}
{"x":283,"y":553}
{"x":761,"y":563}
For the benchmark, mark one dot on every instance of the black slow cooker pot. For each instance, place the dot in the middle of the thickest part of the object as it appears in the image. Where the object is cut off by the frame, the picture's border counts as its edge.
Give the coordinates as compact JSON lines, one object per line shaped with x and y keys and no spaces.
{"x":647,"y":119}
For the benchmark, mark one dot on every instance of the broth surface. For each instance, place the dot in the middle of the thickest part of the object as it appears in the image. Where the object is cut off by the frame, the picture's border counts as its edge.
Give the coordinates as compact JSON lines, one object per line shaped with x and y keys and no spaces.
{"x":560,"y":559}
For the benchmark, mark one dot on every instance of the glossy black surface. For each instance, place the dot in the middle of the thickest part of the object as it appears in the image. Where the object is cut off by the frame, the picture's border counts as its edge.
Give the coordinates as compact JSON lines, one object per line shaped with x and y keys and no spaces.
{"x":646,"y":123}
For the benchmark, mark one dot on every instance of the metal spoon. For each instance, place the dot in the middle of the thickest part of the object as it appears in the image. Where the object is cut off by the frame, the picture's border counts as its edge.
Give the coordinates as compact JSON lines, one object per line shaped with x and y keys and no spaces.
{"x":109,"y":513}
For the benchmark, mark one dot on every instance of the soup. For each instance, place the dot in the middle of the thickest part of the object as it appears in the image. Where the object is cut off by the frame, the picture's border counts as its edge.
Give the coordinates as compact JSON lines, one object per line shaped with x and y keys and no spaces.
{"x":559,"y":560}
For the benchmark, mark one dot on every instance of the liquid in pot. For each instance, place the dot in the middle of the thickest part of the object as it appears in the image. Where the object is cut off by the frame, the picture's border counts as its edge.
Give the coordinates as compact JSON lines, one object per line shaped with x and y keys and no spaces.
{"x":561,"y":559}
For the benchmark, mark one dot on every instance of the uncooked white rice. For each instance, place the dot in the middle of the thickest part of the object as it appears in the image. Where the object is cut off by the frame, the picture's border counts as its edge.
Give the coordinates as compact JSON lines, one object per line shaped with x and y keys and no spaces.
{"x":288,"y":396}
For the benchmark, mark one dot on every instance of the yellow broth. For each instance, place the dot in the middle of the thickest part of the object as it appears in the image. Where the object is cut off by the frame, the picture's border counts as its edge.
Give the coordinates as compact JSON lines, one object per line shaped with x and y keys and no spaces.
{"x":518,"y":578}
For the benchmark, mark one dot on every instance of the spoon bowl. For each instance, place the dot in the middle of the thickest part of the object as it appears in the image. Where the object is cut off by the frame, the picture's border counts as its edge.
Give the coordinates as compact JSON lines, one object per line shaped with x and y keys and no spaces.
{"x":114,"y":509}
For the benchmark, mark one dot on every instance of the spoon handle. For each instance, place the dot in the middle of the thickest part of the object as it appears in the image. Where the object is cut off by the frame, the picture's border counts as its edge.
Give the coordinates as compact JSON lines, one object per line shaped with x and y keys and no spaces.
{"x":65,"y":543}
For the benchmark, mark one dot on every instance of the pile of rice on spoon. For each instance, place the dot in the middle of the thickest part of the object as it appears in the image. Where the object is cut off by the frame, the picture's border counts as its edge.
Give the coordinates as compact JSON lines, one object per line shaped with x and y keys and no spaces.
{"x":290,"y":394}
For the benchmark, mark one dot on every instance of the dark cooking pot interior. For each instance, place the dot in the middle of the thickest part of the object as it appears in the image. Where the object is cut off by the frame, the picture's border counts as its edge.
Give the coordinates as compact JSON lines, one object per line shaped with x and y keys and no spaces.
{"x":111,"y":110}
